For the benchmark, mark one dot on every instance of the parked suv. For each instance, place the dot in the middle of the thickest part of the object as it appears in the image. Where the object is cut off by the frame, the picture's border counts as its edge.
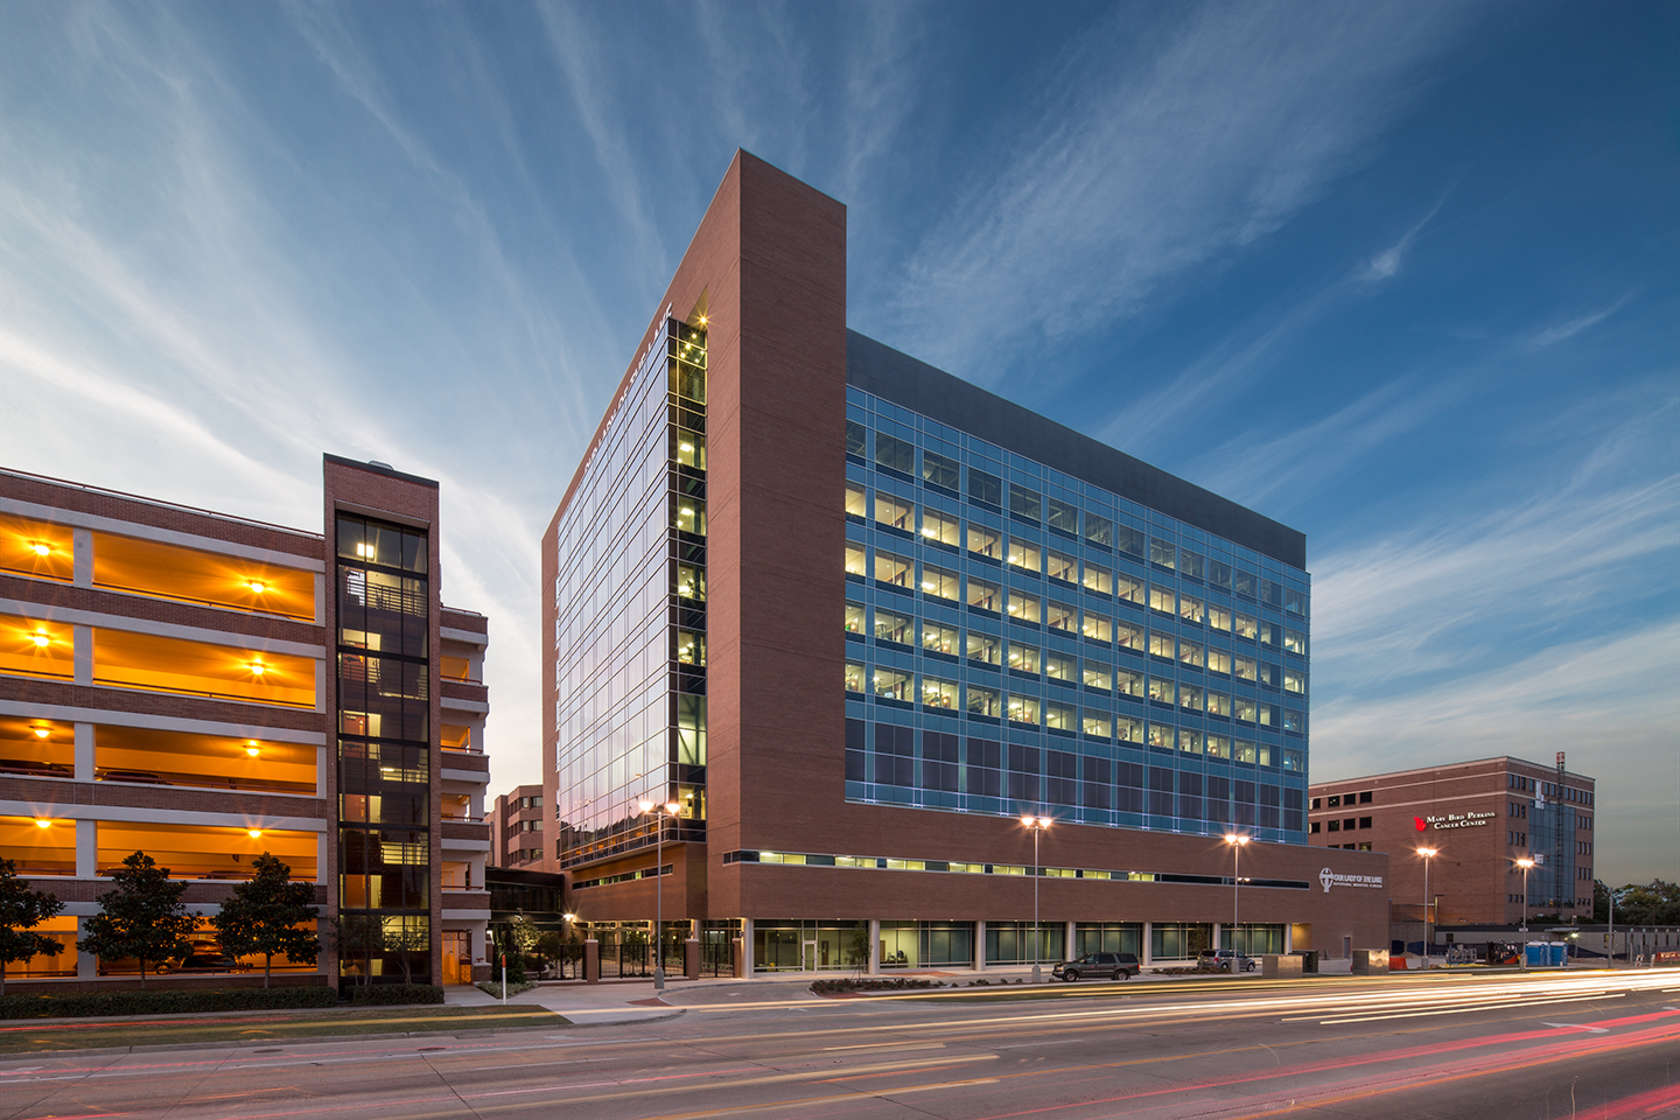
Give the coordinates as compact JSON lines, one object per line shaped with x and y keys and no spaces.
{"x":1115,"y":966}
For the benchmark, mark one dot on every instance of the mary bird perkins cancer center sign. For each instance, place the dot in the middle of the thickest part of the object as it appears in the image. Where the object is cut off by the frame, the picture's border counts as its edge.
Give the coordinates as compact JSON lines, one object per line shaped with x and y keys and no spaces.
{"x":1470,"y":819}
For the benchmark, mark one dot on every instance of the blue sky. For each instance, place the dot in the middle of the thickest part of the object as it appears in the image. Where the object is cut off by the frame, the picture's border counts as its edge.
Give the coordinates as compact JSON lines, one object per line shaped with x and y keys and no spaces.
{"x":1401,"y":276}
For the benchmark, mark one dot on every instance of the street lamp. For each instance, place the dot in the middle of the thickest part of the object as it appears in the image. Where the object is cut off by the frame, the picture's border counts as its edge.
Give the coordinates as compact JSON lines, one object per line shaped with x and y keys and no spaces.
{"x":1525,"y":863}
{"x":660,"y":812}
{"x":1038,"y":825}
{"x":1237,"y":841}
{"x":1427,"y":854}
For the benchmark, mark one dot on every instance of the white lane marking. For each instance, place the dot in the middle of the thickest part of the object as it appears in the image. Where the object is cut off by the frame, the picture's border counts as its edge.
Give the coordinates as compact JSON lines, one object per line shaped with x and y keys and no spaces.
{"x":1574,"y":1027}
{"x":1459,"y":1010}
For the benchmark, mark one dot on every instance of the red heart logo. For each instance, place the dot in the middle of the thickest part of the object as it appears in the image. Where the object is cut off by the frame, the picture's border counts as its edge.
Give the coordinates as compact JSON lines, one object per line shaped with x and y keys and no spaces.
{"x":1420,"y":823}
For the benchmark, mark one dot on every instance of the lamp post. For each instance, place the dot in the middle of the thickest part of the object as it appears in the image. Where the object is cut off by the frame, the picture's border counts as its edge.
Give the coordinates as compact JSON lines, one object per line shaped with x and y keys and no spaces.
{"x":1237,"y":841}
{"x":1427,"y":854}
{"x":1610,"y":939}
{"x":1038,"y":825}
{"x":660,"y":812}
{"x":1525,"y":862}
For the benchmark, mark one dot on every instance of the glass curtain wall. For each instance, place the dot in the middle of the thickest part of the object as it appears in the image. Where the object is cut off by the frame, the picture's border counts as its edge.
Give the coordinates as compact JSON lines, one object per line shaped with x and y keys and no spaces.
{"x":384,"y":781}
{"x":1022,"y":641}
{"x":630,"y":627}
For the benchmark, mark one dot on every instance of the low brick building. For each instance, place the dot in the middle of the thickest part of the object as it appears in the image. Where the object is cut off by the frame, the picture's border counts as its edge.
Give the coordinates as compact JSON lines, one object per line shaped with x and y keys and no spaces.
{"x":1480,"y":818}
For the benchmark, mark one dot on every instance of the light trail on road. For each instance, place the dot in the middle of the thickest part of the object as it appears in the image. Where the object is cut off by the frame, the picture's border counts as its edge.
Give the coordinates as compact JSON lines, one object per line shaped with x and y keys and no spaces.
{"x":1240,"y":1050}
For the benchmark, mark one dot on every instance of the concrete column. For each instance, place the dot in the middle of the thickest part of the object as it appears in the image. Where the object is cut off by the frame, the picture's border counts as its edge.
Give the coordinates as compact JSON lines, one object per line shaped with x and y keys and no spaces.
{"x":322,"y":839}
{"x":82,"y":542}
{"x":320,"y":684}
{"x":1289,"y":937}
{"x":747,"y":947}
{"x":475,"y":944}
{"x":321,"y":771}
{"x":87,"y":965}
{"x":84,"y":752}
{"x":1145,"y":957}
{"x":980,"y":946}
{"x":321,"y":589}
{"x":83,"y":654}
{"x":1070,"y":941}
{"x":874,"y":946}
{"x":87,"y":849}
{"x":1217,"y":928}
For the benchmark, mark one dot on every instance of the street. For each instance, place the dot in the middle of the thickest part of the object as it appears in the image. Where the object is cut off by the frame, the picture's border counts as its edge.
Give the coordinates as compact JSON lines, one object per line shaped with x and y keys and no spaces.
{"x":1587,"y":1044}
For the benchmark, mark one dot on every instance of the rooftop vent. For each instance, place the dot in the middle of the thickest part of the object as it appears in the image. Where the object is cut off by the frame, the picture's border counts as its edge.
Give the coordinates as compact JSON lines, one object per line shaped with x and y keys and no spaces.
{"x":381,"y":466}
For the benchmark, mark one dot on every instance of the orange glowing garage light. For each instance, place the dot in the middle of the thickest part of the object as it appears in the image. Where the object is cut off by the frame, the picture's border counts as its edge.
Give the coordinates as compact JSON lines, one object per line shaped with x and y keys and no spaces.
{"x":258,"y":668}
{"x":254,"y":833}
{"x":42,"y":822}
{"x":40,"y":548}
{"x":41,"y":730}
{"x":257,"y":586}
{"x":41,"y":639}
{"x":252,"y":748}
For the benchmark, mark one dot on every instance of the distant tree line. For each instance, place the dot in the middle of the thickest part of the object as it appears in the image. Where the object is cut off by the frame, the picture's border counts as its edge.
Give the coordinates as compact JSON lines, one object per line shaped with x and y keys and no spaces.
{"x":1656,"y":903}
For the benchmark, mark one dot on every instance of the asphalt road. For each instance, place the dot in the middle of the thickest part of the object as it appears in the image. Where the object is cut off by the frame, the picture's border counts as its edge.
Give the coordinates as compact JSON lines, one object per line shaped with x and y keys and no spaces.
{"x":1583,"y":1045}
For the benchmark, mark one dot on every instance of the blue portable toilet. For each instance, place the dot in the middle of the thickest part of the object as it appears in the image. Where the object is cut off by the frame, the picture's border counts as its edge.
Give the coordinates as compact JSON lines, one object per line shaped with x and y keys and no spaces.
{"x":1534,"y":954}
{"x":1557,"y":953}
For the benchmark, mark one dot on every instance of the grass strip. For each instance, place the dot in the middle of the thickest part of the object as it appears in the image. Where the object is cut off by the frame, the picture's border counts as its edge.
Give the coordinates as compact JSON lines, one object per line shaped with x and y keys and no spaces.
{"x":23,"y":1038}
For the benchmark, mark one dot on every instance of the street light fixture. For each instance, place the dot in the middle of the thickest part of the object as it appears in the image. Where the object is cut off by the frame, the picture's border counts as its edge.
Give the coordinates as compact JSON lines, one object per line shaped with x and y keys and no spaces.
{"x":660,"y":812}
{"x":1237,"y":841}
{"x":1427,"y":854}
{"x":1525,"y":862}
{"x":1038,"y":825}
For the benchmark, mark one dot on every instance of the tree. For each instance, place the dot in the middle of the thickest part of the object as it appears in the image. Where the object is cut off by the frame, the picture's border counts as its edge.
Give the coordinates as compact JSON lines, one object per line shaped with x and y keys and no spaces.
{"x":405,"y":940}
{"x":357,"y":937}
{"x":1601,"y":901}
{"x":263,"y":914}
{"x":1656,"y":903}
{"x":21,"y":910}
{"x":857,"y":950}
{"x":142,"y":916}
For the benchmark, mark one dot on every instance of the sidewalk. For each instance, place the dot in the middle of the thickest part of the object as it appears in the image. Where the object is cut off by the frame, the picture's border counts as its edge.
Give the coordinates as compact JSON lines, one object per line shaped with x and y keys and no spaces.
{"x":631,"y":1001}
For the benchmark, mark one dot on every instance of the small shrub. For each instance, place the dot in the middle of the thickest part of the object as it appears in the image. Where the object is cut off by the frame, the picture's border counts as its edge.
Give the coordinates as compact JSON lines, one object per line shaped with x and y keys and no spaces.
{"x":81,"y":1004}
{"x":494,"y":987}
{"x":884,"y":984}
{"x":396,"y":993}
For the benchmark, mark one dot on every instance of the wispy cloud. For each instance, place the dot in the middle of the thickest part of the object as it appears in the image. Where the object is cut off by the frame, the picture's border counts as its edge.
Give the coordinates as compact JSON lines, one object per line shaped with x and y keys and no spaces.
{"x":587,"y":88}
{"x":1204,"y":138}
{"x":1568,"y":328}
{"x":1405,"y":606}
{"x":1301,"y":460}
{"x":1387,"y":264}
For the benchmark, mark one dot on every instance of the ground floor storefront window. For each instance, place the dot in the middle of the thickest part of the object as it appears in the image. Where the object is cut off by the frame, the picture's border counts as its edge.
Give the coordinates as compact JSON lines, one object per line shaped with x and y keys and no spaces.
{"x":1015,"y":943}
{"x":1109,"y":937}
{"x":927,"y":944}
{"x":1175,"y":941}
{"x":1253,"y":940}
{"x":789,"y":946}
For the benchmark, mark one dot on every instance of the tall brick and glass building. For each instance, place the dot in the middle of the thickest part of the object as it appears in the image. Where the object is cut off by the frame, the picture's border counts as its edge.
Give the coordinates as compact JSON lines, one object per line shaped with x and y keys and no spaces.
{"x":1480,"y":817}
{"x":204,"y":688}
{"x":855,"y":617}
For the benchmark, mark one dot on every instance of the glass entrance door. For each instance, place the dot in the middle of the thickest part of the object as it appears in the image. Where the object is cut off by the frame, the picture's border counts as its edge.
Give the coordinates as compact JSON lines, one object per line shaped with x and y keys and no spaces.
{"x":810,"y":956}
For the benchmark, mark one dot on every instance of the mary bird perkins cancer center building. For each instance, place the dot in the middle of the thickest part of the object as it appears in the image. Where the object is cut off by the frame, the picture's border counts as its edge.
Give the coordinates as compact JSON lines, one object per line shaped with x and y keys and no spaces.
{"x":914,"y":665}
